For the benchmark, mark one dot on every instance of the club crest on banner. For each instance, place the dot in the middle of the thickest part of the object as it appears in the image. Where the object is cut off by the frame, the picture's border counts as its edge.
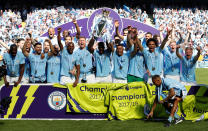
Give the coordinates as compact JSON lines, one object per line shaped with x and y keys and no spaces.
{"x":57,"y":100}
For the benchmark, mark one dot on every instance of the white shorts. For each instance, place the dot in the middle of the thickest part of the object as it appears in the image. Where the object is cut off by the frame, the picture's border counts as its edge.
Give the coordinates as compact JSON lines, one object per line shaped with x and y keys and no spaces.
{"x":174,"y":77}
{"x":106,"y":79}
{"x":65,"y":79}
{"x":114,"y":80}
{"x":25,"y":80}
{"x":188,"y":83}
{"x":184,"y":94}
{"x":12,"y":79}
{"x":90,"y":78}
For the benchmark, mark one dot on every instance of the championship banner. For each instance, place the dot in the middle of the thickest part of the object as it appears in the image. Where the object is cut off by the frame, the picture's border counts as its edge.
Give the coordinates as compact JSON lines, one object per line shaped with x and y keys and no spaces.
{"x":87,"y":98}
{"x":196,"y":102}
{"x":126,"y":102}
{"x":132,"y":101}
{"x":120,"y":101}
{"x":102,"y":23}
{"x":129,"y":102}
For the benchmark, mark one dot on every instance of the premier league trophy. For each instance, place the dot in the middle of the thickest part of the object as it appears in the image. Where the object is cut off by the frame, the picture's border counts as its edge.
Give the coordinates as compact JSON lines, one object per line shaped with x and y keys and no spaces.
{"x":102,"y":26}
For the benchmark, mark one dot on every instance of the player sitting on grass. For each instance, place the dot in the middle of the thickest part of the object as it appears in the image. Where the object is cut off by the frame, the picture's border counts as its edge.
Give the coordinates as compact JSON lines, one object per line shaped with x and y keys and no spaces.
{"x":177,"y":93}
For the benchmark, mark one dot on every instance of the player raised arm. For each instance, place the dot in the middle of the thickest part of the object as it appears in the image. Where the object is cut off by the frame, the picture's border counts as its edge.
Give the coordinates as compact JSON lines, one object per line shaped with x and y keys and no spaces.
{"x":77,"y":28}
{"x":52,"y":49}
{"x":134,"y":52}
{"x":161,"y":32}
{"x":130,"y":41}
{"x":91,"y":44}
{"x":32,"y":40}
{"x":117,"y":31}
{"x":140,"y":46}
{"x":24,"y":50}
{"x":180,"y":37}
{"x":110,"y":46}
{"x":187,"y":38}
{"x":4,"y":45}
{"x":198,"y":48}
{"x":59,"y":39}
{"x":177,"y":52}
{"x":166,"y":39}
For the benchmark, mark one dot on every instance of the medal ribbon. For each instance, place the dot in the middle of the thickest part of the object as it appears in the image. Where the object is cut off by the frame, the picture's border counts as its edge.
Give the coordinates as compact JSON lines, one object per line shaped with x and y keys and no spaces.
{"x":119,"y":61}
{"x":13,"y":66}
{"x":153,"y":59}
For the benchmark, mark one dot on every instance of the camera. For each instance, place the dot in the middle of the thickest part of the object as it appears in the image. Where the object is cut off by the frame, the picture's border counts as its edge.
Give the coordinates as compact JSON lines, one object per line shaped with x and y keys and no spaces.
{"x":4,"y":104}
{"x":3,"y":71}
{"x":84,"y":81}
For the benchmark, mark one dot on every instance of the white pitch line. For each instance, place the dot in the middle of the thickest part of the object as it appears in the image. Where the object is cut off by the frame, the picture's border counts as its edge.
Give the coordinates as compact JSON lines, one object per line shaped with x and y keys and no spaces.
{"x":47,"y":119}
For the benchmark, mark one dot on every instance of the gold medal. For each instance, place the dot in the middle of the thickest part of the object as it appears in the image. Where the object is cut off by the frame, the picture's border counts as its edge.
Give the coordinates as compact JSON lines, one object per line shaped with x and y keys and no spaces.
{"x":121,"y":67}
{"x":153,"y":68}
{"x":84,"y":65}
{"x":51,"y":73}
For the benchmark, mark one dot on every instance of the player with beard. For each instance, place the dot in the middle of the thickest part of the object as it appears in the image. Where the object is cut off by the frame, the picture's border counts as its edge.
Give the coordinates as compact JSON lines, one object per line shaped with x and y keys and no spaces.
{"x":70,"y":63}
{"x":153,"y":57}
{"x":46,"y":46}
{"x":37,"y":62}
{"x":27,"y":63}
{"x":148,"y":35}
{"x":86,"y":67}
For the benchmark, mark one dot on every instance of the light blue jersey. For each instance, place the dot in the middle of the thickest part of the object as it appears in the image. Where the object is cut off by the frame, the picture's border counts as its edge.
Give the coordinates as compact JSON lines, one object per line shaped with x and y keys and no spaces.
{"x":38,"y":67}
{"x":13,"y":63}
{"x":53,"y":69}
{"x":68,"y":62}
{"x":154,"y":61}
{"x":120,"y":64}
{"x":167,"y":84}
{"x":27,"y":68}
{"x":144,"y":43}
{"x":85,"y":61}
{"x":171,"y":62}
{"x":124,"y":41}
{"x":137,"y":65}
{"x":102,"y":62}
{"x":188,"y":69}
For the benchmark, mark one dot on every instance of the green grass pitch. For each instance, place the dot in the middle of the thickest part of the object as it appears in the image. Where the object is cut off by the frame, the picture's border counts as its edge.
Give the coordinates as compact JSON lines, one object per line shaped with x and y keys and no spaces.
{"x":97,"y":125}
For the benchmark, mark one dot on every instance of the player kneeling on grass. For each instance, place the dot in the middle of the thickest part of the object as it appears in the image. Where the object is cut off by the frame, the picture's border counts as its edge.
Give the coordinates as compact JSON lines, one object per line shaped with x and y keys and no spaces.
{"x":177,"y":93}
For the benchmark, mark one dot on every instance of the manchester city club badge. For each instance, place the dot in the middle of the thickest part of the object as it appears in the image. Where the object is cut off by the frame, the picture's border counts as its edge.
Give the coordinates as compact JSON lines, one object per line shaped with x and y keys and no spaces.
{"x":57,"y":100}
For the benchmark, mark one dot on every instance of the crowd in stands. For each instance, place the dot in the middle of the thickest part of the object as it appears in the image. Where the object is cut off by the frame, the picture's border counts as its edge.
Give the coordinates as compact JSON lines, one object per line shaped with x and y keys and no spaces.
{"x":192,"y":22}
{"x":38,"y":21}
